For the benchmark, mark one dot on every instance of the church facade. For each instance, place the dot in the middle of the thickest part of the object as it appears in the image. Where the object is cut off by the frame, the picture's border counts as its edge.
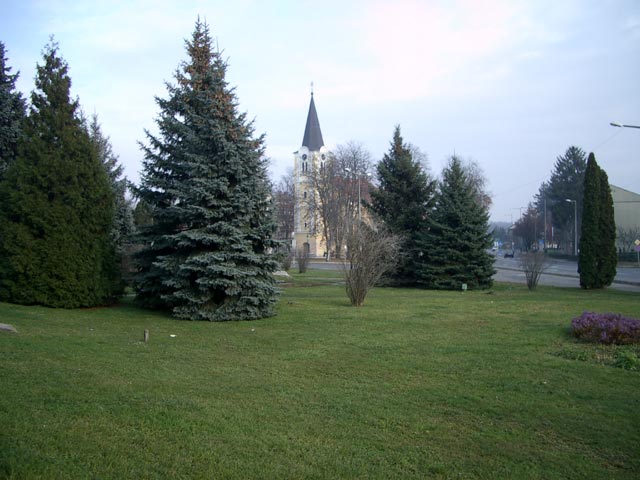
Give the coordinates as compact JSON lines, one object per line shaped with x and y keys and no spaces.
{"x":310,"y":157}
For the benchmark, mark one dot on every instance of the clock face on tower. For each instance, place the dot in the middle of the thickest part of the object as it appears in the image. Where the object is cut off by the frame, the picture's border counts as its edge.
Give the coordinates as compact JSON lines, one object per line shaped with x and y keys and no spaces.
{"x":304,"y":156}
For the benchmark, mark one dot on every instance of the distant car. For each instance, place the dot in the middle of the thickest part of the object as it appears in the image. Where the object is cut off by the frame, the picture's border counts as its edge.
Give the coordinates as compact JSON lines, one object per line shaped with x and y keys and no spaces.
{"x":509,"y":254}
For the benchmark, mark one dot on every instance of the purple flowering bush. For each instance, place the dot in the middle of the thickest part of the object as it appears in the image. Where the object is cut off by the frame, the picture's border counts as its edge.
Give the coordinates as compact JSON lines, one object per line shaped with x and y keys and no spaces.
{"x":606,"y":328}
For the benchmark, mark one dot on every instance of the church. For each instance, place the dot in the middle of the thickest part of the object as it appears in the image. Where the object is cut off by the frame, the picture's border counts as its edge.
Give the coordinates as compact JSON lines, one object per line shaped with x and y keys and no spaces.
{"x":307,"y":236}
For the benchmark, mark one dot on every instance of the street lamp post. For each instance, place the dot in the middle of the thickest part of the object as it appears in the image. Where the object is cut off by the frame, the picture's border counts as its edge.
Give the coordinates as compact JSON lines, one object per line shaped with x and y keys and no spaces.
{"x":620,"y":125}
{"x":545,"y":224}
{"x":575,"y":225}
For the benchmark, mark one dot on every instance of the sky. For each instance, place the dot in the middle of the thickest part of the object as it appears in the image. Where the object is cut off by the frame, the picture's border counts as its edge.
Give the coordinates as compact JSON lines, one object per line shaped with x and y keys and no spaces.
{"x":509,"y":84}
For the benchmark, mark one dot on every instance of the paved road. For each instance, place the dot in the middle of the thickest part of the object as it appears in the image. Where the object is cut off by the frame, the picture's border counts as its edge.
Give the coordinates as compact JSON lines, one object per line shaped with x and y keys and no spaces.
{"x":560,"y":273}
{"x":564,"y":273}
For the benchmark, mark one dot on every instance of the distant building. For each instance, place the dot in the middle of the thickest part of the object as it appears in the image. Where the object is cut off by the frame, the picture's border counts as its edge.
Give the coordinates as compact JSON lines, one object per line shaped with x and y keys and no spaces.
{"x":307,"y":236}
{"x":626,"y":209}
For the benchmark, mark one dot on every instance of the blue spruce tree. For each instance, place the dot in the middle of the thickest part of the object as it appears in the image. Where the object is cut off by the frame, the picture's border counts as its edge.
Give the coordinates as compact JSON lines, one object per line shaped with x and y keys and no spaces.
{"x":207,"y":254}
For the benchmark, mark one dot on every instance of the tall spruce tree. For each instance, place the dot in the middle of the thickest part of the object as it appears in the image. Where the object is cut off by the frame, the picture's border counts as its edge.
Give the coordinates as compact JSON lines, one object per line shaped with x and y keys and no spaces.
{"x":455,"y":247}
{"x":567,"y":181}
{"x":207,"y":253}
{"x":57,"y":206}
{"x":403,"y":202}
{"x":12,"y":113}
{"x":597,"y":259}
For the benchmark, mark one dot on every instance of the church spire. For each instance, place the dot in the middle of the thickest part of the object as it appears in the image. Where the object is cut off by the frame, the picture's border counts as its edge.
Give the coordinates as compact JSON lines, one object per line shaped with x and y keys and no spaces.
{"x":312,"y":135}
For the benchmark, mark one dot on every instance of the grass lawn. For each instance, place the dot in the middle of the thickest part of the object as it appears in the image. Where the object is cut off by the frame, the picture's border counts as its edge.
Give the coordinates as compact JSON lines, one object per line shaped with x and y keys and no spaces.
{"x":415,"y":384}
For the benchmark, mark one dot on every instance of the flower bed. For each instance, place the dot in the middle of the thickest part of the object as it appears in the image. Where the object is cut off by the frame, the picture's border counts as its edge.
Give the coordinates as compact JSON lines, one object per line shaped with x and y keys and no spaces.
{"x":606,"y":328}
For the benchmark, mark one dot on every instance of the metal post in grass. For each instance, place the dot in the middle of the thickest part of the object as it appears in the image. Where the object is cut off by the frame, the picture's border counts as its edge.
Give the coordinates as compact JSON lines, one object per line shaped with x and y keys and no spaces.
{"x":575,"y":226}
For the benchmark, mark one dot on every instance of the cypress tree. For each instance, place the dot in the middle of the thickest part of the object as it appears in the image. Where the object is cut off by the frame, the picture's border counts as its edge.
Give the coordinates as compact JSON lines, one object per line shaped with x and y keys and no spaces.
{"x":403,"y":202}
{"x":608,"y":257}
{"x":589,"y":242}
{"x":207,"y":253}
{"x":455,"y":247}
{"x":12,"y":113}
{"x":57,"y":205}
{"x":598,"y":258}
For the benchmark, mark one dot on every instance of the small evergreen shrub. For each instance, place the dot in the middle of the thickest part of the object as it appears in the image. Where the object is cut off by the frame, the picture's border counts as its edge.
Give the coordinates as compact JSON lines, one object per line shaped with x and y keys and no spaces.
{"x":606,"y":328}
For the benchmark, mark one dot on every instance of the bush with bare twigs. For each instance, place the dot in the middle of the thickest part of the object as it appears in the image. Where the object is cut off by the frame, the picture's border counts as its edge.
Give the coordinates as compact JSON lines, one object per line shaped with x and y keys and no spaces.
{"x":372,"y":251}
{"x":302,"y":259}
{"x":533,"y":264}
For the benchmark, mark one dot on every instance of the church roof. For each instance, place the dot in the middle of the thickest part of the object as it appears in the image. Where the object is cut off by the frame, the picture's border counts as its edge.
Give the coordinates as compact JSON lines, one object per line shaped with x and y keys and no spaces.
{"x":312,"y":134}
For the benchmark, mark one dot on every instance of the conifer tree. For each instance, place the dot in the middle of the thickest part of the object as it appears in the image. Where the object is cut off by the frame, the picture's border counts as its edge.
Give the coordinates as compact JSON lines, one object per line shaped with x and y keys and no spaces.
{"x":57,"y":204}
{"x":589,"y":244}
{"x":455,"y":248}
{"x":567,"y":181}
{"x":207,"y":253}
{"x":403,"y":202}
{"x":12,"y":113}
{"x":597,"y":260}
{"x":123,"y":226}
{"x":607,"y":251}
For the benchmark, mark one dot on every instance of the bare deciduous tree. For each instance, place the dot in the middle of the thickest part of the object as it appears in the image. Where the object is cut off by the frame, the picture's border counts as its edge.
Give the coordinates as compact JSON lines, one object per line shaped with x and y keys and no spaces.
{"x":627,"y":237}
{"x":302,"y":259}
{"x":285,"y":202}
{"x":339,"y":183}
{"x":533,"y":264}
{"x":529,"y":227}
{"x":325,"y":203}
{"x":372,"y":251}
{"x":478,"y":182}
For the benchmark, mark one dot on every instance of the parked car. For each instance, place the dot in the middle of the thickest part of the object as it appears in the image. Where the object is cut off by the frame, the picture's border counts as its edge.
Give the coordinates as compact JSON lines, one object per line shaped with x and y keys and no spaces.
{"x":510,"y":254}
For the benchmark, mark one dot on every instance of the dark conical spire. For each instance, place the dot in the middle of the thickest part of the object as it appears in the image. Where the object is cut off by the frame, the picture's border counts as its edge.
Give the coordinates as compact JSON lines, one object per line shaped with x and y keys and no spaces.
{"x":312,"y":134}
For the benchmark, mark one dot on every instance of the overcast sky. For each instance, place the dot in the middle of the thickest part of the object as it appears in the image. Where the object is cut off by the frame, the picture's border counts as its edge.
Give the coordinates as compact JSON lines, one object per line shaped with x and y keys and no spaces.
{"x":510,"y":84}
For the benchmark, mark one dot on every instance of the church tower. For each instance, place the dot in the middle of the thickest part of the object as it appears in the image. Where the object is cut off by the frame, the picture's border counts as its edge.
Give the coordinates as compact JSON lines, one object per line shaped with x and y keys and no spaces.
{"x":311,"y":156}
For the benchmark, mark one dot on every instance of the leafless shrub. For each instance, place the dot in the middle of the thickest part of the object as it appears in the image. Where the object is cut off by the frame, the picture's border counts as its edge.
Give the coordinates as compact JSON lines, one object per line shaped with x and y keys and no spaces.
{"x":371,"y":252}
{"x":533,"y":264}
{"x":626,"y":237}
{"x":287,"y":259}
{"x":302,"y":259}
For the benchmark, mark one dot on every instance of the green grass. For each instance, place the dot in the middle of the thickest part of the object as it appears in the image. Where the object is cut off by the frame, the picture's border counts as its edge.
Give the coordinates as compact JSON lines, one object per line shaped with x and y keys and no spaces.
{"x":415,"y":384}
